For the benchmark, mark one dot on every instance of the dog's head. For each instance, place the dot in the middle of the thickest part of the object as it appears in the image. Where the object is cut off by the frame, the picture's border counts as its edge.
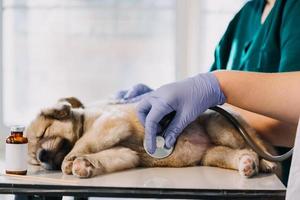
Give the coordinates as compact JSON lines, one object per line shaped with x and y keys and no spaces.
{"x":53,"y":133}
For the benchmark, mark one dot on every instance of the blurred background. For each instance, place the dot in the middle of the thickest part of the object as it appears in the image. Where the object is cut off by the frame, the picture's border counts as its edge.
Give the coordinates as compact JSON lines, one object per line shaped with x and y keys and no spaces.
{"x":92,"y":48}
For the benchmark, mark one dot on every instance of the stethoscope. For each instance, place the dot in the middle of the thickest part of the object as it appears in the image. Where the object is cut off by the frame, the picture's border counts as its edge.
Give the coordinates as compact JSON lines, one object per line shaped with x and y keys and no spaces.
{"x":162,"y":152}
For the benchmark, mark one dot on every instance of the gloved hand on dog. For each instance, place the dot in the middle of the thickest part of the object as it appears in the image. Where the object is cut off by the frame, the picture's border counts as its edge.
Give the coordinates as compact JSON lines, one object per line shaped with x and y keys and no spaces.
{"x":189,"y":98}
{"x":134,"y":94}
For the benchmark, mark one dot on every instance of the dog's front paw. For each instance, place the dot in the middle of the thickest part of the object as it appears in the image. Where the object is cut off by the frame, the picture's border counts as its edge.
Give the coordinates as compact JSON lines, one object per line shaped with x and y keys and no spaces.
{"x":83,"y":168}
{"x":67,"y":164}
{"x":66,"y":167}
{"x":248,"y":165}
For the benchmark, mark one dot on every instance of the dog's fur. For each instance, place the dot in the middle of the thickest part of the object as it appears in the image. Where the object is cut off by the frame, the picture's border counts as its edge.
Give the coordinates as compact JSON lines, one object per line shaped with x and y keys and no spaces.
{"x":102,"y":139}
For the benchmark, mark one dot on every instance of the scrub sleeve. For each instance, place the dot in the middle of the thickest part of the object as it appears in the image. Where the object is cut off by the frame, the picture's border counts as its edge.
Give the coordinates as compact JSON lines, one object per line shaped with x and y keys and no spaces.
{"x":293,"y":189}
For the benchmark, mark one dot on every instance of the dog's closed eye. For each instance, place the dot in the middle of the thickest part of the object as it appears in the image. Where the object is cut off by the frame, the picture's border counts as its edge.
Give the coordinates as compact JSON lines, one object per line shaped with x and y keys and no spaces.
{"x":41,"y":134}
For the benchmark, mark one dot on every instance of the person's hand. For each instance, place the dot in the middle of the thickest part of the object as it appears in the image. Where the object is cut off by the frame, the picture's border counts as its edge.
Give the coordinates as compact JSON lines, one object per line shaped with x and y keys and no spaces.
{"x":134,"y":94}
{"x":189,"y":98}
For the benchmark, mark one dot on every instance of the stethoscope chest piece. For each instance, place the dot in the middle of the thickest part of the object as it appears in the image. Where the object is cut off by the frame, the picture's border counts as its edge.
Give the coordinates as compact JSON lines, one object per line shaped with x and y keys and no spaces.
{"x":161,"y":151}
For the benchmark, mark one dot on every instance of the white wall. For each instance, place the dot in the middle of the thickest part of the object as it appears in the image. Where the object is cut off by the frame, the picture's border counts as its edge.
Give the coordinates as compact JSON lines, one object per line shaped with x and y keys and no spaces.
{"x":92,"y":48}
{"x":87,"y":49}
{"x":201,"y":24}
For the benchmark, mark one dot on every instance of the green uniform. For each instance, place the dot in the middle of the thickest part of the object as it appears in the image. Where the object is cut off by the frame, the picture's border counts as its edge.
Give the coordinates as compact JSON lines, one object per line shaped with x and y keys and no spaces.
{"x":273,"y":46}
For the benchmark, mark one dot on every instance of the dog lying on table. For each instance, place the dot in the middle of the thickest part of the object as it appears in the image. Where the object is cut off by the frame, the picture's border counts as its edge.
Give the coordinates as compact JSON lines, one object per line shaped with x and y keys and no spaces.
{"x":95,"y":140}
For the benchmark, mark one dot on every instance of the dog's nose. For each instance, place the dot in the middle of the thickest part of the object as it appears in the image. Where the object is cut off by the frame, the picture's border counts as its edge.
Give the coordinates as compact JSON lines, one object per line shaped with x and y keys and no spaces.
{"x":42,"y":155}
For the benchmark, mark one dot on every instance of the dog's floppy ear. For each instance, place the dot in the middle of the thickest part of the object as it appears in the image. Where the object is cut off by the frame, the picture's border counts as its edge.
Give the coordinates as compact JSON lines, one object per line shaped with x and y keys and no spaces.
{"x":75,"y":103}
{"x":62,"y":109}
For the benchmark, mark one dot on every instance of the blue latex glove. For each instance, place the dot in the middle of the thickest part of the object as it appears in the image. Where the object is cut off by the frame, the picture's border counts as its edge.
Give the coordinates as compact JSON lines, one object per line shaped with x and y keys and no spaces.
{"x":134,"y":94}
{"x":189,"y":98}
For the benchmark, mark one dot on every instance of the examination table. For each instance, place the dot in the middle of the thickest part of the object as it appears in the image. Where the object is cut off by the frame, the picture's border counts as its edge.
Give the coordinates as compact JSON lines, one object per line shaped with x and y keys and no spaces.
{"x":180,"y":183}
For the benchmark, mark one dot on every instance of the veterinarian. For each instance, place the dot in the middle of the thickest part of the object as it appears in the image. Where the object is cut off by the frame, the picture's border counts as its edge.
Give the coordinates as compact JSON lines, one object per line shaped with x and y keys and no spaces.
{"x":276,"y":95}
{"x":264,"y":36}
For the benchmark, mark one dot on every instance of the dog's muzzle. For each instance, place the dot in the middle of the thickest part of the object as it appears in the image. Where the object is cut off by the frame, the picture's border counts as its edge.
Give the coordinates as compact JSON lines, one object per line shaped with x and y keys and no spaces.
{"x":51,"y":159}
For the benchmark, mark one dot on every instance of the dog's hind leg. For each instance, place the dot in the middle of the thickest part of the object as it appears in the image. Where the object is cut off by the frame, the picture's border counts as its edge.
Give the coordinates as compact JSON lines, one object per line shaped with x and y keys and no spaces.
{"x":107,"y":161}
{"x":243,"y":160}
{"x":223,"y":133}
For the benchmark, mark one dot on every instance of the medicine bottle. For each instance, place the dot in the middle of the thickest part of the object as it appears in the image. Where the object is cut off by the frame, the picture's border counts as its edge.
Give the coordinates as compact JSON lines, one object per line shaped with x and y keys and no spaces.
{"x":16,"y":151}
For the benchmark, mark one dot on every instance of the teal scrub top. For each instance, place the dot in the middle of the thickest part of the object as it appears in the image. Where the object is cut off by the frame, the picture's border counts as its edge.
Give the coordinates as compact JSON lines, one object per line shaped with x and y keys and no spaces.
{"x":273,"y":46}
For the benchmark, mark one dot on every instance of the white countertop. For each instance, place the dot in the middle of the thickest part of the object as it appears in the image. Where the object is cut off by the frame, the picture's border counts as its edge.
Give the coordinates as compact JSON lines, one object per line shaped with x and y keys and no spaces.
{"x":180,"y":178}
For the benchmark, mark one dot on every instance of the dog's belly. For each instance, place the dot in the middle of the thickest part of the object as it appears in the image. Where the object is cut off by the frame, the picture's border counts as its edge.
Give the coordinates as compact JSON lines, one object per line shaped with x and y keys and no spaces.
{"x":189,"y":149}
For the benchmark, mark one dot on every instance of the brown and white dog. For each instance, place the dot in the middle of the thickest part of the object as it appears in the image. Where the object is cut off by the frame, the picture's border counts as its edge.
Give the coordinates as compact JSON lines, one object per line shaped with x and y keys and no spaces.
{"x":106,"y":138}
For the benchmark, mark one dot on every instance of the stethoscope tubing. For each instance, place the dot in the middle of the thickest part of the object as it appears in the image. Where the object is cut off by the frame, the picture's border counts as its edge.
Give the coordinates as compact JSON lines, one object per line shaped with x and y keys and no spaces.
{"x":249,"y":140}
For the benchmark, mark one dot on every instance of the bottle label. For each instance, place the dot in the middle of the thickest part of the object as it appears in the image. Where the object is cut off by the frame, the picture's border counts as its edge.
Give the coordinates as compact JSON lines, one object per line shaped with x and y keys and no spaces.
{"x":16,"y":157}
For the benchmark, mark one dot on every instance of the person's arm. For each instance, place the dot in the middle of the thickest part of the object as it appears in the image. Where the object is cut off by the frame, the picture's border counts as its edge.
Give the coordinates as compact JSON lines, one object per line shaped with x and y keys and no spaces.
{"x":273,"y":95}
{"x":276,"y":132}
{"x":276,"y":95}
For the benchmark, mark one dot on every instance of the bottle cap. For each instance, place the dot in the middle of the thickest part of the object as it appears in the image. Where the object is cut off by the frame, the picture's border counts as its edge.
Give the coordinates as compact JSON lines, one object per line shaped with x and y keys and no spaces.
{"x":17,"y":128}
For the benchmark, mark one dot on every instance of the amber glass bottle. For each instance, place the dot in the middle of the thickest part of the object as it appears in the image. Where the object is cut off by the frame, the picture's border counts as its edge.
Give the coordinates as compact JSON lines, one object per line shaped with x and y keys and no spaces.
{"x":16,"y":152}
